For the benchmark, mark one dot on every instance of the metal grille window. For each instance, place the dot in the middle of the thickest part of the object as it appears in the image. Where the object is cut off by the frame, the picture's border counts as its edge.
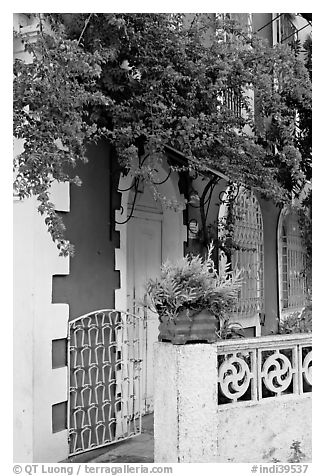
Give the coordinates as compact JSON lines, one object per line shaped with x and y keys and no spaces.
{"x":241,"y":20}
{"x":220,"y":21}
{"x":249,"y":253}
{"x":233,"y":101}
{"x":292,"y":263}
{"x":284,"y":28}
{"x":250,"y":25}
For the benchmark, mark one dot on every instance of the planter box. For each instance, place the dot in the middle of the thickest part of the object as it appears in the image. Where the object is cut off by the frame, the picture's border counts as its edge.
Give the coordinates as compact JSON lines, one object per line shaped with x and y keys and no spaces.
{"x":188,"y":327}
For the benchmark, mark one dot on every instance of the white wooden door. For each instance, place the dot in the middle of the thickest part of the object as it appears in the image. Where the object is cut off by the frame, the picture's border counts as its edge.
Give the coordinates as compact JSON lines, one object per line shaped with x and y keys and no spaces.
{"x":144,"y":262}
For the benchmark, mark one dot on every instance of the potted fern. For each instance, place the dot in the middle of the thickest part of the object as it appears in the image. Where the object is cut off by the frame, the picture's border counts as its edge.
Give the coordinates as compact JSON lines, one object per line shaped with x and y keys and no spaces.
{"x":192,"y":300}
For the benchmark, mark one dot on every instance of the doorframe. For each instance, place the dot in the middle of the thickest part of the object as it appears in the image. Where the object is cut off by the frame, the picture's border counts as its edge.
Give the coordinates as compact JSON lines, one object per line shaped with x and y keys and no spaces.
{"x":174,"y":232}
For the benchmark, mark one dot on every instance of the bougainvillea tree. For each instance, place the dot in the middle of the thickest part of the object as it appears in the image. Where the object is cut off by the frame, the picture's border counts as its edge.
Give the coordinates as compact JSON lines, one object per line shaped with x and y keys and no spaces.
{"x":144,"y":81}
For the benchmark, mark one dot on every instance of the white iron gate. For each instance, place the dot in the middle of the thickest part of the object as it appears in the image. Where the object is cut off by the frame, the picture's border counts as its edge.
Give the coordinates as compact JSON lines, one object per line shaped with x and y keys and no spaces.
{"x":104,"y":372}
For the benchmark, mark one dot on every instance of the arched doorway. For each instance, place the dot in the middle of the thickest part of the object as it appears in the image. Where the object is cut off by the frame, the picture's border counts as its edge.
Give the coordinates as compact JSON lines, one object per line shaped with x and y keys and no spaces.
{"x":153,"y":234}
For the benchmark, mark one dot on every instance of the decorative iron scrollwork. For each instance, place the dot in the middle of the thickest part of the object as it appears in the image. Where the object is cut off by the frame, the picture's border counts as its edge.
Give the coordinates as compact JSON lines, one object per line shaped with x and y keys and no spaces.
{"x":104,"y":379}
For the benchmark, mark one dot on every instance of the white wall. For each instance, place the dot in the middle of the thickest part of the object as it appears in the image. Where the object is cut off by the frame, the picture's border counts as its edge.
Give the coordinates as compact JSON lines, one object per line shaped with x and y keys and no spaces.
{"x":23,"y":323}
{"x":190,"y":426}
{"x":36,"y":320}
{"x":36,"y":323}
{"x":263,"y":431}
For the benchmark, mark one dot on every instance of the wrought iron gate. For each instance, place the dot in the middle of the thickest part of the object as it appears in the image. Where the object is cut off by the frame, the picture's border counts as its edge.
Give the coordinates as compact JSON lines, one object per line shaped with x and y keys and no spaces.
{"x":104,"y":372}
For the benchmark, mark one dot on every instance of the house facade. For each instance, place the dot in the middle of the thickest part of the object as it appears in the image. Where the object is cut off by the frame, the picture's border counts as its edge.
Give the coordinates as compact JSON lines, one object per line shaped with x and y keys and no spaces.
{"x":64,"y":319}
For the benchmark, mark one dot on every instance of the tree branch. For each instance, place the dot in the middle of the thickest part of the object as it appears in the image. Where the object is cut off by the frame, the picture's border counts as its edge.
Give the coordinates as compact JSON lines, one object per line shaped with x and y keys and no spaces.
{"x":84,"y":28}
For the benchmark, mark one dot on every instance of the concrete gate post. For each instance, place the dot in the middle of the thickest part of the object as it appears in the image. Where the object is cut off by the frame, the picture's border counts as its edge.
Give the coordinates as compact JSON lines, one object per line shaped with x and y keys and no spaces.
{"x":185,"y":402}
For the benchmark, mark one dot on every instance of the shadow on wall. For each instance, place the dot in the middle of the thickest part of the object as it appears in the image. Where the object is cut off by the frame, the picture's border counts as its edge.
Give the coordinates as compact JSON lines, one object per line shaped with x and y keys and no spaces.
{"x":92,"y":280}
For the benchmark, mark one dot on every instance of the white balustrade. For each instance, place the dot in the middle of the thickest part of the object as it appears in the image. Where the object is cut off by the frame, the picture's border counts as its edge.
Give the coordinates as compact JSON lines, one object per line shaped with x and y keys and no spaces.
{"x":262,"y":368}
{"x":241,"y":400}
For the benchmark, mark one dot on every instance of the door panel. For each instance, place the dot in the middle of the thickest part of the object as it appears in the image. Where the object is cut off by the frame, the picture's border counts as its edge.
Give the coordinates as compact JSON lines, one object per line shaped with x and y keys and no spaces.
{"x":144,"y":262}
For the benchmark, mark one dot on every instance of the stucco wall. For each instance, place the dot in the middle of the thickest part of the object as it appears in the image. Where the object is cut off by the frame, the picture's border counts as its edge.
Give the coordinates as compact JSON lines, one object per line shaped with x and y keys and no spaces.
{"x":190,"y":427}
{"x":92,"y":279}
{"x":37,"y":386}
{"x":50,"y":322}
{"x":23,"y":323}
{"x":263,"y":20}
{"x":261,"y":432}
{"x":185,"y":404}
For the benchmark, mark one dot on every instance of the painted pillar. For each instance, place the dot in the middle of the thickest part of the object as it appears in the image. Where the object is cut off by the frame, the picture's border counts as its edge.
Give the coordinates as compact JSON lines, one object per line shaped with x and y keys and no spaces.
{"x":271,"y":298}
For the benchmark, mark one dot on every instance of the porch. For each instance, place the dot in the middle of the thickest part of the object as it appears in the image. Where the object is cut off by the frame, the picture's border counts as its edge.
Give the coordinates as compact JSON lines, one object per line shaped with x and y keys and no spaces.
{"x":139,"y":449}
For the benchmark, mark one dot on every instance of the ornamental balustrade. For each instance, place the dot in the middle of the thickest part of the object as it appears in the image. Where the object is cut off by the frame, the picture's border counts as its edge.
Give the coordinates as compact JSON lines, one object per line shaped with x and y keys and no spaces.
{"x":251,"y":370}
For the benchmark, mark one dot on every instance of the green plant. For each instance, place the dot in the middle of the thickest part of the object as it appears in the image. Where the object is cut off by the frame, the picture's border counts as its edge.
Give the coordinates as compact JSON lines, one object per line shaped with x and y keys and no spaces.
{"x":143,"y":81}
{"x":297,"y":322}
{"x":297,"y":455}
{"x":305,"y":225}
{"x":230,"y":330}
{"x":194,"y":284}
